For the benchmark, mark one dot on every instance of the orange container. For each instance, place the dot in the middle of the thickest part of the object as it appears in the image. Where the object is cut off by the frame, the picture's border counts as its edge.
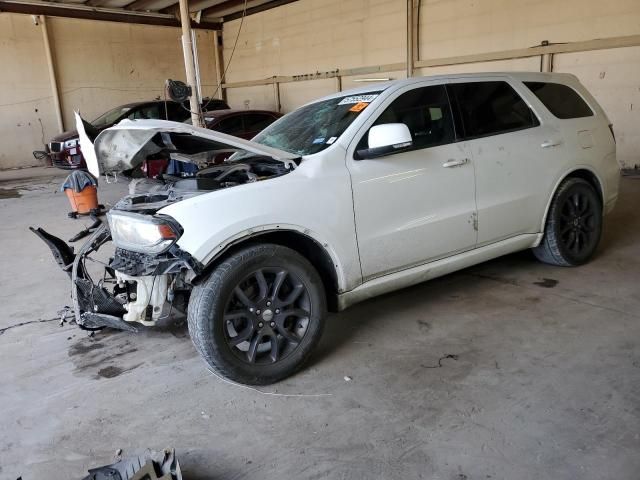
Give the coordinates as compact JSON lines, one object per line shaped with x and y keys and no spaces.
{"x":85,"y":201}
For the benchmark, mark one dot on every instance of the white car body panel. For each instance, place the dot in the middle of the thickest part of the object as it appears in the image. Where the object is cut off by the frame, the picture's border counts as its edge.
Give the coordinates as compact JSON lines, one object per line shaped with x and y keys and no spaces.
{"x":394,"y":221}
{"x":438,"y":268}
{"x":89,"y":152}
{"x":402,"y":199}
{"x":314,"y":199}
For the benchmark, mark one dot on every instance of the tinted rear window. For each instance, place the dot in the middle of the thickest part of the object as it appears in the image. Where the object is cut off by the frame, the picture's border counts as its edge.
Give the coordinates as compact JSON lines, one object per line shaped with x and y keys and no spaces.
{"x":561,"y":100}
{"x":491,"y":108}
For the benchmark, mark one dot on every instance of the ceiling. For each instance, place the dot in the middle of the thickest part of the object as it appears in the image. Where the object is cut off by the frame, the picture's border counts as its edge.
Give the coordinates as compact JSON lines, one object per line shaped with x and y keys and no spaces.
{"x":209,"y":14}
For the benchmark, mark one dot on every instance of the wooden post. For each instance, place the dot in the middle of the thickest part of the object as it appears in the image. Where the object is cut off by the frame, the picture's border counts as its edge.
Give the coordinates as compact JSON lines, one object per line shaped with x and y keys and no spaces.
{"x":187,"y":50}
{"x":52,"y":73}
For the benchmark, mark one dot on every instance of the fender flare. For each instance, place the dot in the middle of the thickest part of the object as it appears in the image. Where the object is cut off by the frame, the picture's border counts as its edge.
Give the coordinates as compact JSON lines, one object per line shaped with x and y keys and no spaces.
{"x":561,"y":178}
{"x":255,"y":232}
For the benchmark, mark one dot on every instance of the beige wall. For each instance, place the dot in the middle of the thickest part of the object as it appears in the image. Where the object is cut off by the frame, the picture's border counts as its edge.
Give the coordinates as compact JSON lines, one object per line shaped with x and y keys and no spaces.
{"x":103,"y":64}
{"x":26,"y":109}
{"x":321,"y":35}
{"x":99,"y":64}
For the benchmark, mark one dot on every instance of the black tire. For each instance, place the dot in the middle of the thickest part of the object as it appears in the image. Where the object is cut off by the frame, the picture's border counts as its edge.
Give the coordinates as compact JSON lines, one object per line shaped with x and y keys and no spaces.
{"x":228,"y":312}
{"x":573,"y":227}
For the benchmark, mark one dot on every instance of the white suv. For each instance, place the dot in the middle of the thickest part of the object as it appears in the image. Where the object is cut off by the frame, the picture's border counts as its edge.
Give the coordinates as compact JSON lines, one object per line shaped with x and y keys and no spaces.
{"x":346,"y":198}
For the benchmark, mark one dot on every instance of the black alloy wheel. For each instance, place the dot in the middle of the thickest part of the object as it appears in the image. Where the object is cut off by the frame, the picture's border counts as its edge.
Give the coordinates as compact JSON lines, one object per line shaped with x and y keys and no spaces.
{"x":574,"y":225}
{"x":258,"y":316}
{"x":578,"y":223}
{"x":267,"y":316}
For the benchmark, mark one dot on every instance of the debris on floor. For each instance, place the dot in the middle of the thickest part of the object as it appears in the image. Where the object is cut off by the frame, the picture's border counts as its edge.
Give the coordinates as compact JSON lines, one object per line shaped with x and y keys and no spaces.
{"x":149,"y":466}
{"x":90,"y":229}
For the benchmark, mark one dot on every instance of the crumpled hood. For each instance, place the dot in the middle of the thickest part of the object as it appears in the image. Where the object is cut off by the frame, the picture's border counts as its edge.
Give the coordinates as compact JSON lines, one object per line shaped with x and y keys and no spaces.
{"x":130,"y":142}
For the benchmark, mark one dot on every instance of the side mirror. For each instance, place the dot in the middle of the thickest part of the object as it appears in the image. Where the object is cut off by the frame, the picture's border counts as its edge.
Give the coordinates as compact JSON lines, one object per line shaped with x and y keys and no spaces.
{"x":387,"y":139}
{"x":40,"y":154}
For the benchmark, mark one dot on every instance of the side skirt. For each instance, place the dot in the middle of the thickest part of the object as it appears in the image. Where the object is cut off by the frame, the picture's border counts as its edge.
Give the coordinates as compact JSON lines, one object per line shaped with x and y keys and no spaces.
{"x":422,"y":273}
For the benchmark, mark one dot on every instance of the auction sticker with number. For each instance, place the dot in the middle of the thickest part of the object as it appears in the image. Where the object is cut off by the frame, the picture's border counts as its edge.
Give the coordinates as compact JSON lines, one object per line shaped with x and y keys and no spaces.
{"x":353,"y":99}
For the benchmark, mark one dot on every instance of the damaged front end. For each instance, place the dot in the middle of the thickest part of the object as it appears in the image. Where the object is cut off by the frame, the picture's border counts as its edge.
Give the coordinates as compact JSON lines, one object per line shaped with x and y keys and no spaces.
{"x":149,"y":273}
{"x":133,"y":288}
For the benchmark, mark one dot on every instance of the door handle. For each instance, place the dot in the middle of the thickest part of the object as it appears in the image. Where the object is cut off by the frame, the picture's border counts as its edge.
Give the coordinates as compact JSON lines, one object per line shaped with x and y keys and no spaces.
{"x":455,"y":163}
{"x":551,"y":143}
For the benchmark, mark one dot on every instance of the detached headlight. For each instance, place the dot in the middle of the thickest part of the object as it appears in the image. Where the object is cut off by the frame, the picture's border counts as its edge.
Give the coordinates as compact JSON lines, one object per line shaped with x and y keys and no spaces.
{"x":142,"y":233}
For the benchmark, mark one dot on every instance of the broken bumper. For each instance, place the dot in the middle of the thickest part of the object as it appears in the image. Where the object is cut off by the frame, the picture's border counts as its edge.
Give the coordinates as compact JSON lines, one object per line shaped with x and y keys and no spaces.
{"x":133,"y":288}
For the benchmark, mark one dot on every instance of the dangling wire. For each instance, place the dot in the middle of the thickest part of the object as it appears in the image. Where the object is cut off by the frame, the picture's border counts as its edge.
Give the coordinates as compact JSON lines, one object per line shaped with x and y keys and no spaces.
{"x":233,"y":50}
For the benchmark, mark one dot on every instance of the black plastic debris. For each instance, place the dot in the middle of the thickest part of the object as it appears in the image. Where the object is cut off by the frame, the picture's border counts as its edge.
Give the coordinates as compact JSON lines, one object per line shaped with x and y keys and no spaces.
{"x":90,"y":229}
{"x":96,"y":321}
{"x":78,"y":180}
{"x":62,"y":252}
{"x":149,"y":466}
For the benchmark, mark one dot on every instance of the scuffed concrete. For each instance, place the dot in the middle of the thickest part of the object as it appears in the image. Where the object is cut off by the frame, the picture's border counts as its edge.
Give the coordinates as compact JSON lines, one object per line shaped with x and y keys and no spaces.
{"x":511,"y":369}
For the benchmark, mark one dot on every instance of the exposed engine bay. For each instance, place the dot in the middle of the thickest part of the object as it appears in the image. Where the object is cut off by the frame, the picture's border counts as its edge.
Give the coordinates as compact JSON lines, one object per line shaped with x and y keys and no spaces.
{"x":151,"y":196}
{"x":143,"y":283}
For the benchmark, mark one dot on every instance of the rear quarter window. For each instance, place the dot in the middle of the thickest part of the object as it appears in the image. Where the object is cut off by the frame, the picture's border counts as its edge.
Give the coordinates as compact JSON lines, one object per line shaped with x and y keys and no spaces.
{"x":561,"y":100}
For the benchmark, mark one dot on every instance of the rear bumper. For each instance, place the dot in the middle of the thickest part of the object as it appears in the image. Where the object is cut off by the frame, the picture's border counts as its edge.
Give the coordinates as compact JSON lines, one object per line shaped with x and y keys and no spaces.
{"x":612,"y":179}
{"x":610,"y":203}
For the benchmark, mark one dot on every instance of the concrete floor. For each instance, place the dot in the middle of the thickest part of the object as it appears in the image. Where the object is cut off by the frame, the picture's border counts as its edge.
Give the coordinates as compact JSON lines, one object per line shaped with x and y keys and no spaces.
{"x":539,"y":376}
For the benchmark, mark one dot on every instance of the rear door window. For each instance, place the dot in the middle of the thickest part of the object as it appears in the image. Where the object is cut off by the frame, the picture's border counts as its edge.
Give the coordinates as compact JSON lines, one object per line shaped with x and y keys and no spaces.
{"x":231,"y":125}
{"x":491,"y":108}
{"x":561,"y":100}
{"x":256,"y":122}
{"x":147,"y":112}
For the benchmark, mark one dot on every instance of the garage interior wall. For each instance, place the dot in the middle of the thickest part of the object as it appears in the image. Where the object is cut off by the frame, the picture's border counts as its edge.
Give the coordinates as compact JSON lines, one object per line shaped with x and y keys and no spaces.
{"x":99,"y":65}
{"x":311,"y":36}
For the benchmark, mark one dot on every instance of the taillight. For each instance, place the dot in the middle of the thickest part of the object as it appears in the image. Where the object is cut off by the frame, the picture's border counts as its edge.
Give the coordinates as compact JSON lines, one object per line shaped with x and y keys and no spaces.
{"x":612,"y":132}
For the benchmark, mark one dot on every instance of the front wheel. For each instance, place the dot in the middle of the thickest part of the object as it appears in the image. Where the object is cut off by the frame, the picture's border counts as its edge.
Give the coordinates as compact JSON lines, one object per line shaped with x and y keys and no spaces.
{"x":573,"y":227}
{"x":259,"y":315}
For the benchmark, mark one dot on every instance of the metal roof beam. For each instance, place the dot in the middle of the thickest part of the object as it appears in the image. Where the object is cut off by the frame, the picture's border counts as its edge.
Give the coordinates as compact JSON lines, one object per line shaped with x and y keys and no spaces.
{"x":251,"y":10}
{"x":150,"y":4}
{"x":87,"y":12}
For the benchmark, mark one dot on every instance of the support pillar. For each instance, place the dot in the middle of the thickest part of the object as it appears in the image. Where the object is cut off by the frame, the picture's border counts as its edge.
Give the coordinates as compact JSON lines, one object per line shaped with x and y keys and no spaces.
{"x":52,"y":73}
{"x":546,"y":59}
{"x":276,"y":91}
{"x":219,"y":58}
{"x":410,"y":38}
{"x":187,"y":50}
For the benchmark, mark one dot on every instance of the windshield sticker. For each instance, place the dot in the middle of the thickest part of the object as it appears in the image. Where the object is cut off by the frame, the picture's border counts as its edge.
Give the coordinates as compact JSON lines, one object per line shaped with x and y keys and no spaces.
{"x":331,"y":140}
{"x":358,"y":107}
{"x":318,"y":140}
{"x":352,"y":100}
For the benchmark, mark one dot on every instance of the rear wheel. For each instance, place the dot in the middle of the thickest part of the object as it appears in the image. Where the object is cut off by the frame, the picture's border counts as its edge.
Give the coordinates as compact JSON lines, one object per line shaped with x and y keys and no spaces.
{"x":574,"y":225}
{"x":259,"y":315}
